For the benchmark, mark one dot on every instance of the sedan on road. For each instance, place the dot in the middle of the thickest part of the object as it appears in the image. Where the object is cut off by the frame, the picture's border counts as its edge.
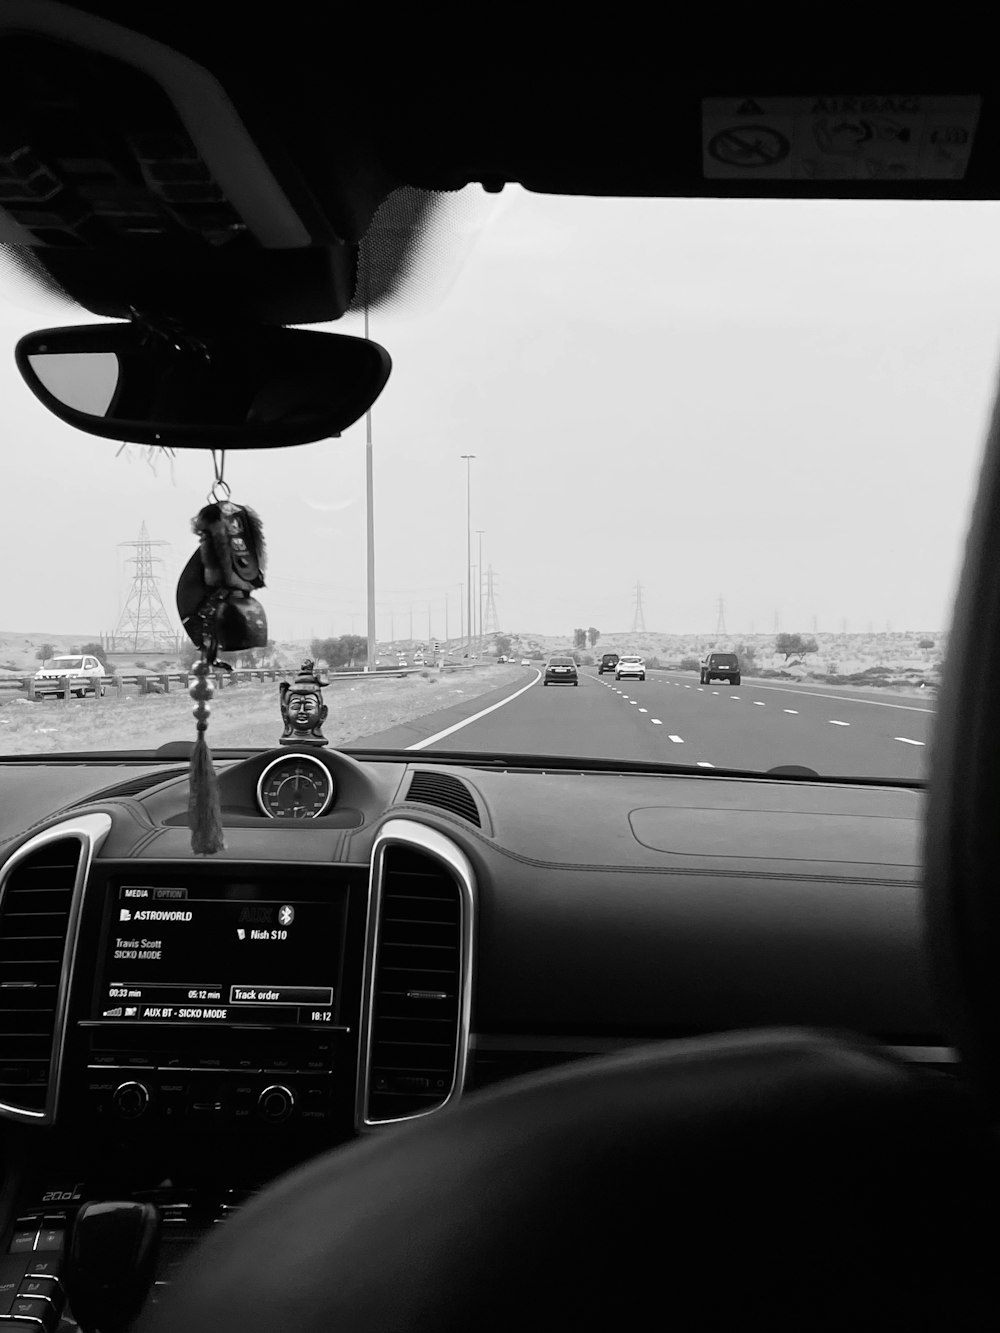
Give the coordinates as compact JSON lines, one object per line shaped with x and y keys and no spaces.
{"x":561,"y":671}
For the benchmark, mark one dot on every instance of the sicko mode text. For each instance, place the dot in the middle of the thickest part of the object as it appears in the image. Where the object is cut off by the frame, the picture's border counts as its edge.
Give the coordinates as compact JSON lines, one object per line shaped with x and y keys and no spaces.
{"x":230,"y":954}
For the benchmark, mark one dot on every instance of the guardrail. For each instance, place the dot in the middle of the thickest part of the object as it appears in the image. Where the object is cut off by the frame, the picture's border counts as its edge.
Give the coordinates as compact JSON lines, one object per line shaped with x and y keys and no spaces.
{"x":161,"y":682}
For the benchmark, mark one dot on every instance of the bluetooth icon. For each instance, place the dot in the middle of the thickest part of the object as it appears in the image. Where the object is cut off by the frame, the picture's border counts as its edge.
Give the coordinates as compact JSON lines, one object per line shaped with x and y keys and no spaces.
{"x":286,"y":915}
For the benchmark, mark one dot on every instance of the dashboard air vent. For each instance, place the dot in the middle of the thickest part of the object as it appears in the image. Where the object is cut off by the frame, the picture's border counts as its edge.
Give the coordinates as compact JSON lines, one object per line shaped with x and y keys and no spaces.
{"x":446,"y":792}
{"x":417,"y":990}
{"x":34,"y":918}
{"x":132,"y":786}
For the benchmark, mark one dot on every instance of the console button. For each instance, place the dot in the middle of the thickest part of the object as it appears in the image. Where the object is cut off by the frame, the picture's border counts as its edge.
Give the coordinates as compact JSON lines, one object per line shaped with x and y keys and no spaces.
{"x":45,"y":1265}
{"x":130,"y":1100}
{"x":171,"y":1098}
{"x":50,"y":1238}
{"x":41,"y":1286}
{"x":244,"y":1100}
{"x":22,"y":1242}
{"x":25,"y":1307}
{"x":275,"y":1103}
{"x":12,"y":1270}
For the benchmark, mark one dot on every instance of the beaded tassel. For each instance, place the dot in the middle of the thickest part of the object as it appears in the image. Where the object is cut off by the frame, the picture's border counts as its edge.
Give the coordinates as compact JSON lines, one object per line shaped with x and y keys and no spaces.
{"x":204,"y":811}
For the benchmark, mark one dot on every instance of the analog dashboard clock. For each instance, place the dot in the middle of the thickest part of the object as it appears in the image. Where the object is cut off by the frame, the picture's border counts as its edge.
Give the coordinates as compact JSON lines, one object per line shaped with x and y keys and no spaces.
{"x":295,"y":786}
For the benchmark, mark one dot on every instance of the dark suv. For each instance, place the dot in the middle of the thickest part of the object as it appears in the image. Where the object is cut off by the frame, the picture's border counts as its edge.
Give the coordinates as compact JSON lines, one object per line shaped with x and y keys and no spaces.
{"x":608,"y":663}
{"x":720,"y":666}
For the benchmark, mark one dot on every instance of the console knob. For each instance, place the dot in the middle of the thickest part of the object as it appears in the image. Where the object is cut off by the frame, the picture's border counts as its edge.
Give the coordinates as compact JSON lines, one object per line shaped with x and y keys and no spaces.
{"x":130,"y":1100}
{"x":276,"y":1103}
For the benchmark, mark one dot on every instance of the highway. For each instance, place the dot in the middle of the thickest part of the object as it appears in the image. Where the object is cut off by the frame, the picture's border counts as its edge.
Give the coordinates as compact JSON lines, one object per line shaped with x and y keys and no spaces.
{"x":670,"y":718}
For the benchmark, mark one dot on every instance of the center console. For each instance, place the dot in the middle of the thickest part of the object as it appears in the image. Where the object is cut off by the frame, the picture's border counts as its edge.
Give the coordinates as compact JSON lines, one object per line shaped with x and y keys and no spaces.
{"x":210,"y":1044}
{"x":222,"y":1000}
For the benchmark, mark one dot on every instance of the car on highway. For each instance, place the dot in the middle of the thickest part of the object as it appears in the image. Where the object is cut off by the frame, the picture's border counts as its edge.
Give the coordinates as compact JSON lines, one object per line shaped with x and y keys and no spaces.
{"x":630,"y":667}
{"x":83,"y":672}
{"x":561,"y":670}
{"x":526,"y":661}
{"x":608,"y":663}
{"x":430,"y":1004}
{"x":720,"y":666}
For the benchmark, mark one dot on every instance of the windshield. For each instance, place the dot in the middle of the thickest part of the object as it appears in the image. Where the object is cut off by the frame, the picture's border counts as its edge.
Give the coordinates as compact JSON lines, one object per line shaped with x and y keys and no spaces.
{"x":780,"y":404}
{"x":65,"y":663}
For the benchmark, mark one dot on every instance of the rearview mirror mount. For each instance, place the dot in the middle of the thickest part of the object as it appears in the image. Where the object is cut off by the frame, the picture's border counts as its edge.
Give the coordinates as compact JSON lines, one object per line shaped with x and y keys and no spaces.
{"x":243,"y":388}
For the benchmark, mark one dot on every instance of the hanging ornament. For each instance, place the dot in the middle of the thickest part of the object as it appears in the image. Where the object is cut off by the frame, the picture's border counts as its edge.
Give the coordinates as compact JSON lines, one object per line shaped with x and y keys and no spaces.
{"x":219,"y":614}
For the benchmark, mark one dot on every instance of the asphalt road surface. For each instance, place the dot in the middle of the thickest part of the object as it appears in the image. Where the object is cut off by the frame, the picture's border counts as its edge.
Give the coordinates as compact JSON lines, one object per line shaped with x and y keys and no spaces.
{"x":670,"y":718}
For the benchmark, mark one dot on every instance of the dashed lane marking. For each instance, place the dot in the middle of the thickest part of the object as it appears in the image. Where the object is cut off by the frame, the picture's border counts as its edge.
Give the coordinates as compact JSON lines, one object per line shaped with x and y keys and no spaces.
{"x":656,"y":722}
{"x":792,"y":710}
{"x":906,"y":741}
{"x":703,"y":763}
{"x":677,"y":740}
{"x":835,"y":723}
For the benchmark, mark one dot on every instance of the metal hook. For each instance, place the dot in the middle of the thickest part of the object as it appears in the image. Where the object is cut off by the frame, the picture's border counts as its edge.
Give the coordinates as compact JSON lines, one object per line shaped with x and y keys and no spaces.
{"x":220,"y":484}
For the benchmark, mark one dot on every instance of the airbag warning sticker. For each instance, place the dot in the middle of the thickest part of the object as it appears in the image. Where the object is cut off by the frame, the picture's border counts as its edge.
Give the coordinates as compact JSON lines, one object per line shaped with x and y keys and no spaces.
{"x":903,"y":138}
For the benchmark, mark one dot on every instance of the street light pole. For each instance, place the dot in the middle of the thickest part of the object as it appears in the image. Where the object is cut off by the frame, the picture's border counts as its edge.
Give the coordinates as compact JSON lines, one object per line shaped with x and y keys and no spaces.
{"x":370,"y":501}
{"x":479,"y":587}
{"x":468,"y":540}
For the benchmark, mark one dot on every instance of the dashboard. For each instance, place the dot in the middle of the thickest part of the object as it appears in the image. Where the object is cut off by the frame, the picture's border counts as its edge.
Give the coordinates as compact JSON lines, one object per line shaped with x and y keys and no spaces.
{"x":383,"y":935}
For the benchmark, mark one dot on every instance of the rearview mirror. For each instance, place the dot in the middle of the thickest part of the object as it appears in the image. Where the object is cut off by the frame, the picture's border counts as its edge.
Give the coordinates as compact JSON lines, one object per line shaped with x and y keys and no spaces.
{"x":248,"y":388}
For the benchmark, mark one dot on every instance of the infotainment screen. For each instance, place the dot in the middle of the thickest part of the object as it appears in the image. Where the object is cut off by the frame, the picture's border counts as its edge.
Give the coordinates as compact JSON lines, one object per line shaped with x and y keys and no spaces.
{"x":222,"y":953}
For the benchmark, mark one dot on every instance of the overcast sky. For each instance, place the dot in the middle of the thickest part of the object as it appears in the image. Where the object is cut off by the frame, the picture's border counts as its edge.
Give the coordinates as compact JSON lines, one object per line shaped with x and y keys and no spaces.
{"x":782,"y":403}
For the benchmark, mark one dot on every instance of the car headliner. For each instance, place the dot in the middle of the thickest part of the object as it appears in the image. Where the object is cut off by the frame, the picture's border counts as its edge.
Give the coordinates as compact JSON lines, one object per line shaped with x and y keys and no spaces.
{"x":604,"y":110}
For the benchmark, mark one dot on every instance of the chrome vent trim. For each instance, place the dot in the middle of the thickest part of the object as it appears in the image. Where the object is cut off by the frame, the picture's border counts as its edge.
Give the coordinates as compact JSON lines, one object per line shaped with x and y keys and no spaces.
{"x":90,"y":831}
{"x":417,"y":837}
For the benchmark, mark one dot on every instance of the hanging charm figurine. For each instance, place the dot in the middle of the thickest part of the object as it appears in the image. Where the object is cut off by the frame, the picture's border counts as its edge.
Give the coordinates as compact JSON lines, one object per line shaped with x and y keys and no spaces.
{"x":219,"y":615}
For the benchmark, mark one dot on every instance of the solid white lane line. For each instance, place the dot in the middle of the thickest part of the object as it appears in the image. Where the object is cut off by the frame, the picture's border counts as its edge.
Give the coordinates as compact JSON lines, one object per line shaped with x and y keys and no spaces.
{"x":703,"y":764}
{"x":906,"y":740}
{"x":448,"y":731}
{"x":835,"y":723}
{"x":791,"y":710}
{"x":677,"y":740}
{"x":656,"y":722}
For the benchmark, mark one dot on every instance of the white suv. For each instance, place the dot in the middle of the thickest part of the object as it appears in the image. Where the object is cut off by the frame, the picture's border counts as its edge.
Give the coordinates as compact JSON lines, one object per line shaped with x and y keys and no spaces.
{"x":85,"y":674}
{"x":630,"y":666}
